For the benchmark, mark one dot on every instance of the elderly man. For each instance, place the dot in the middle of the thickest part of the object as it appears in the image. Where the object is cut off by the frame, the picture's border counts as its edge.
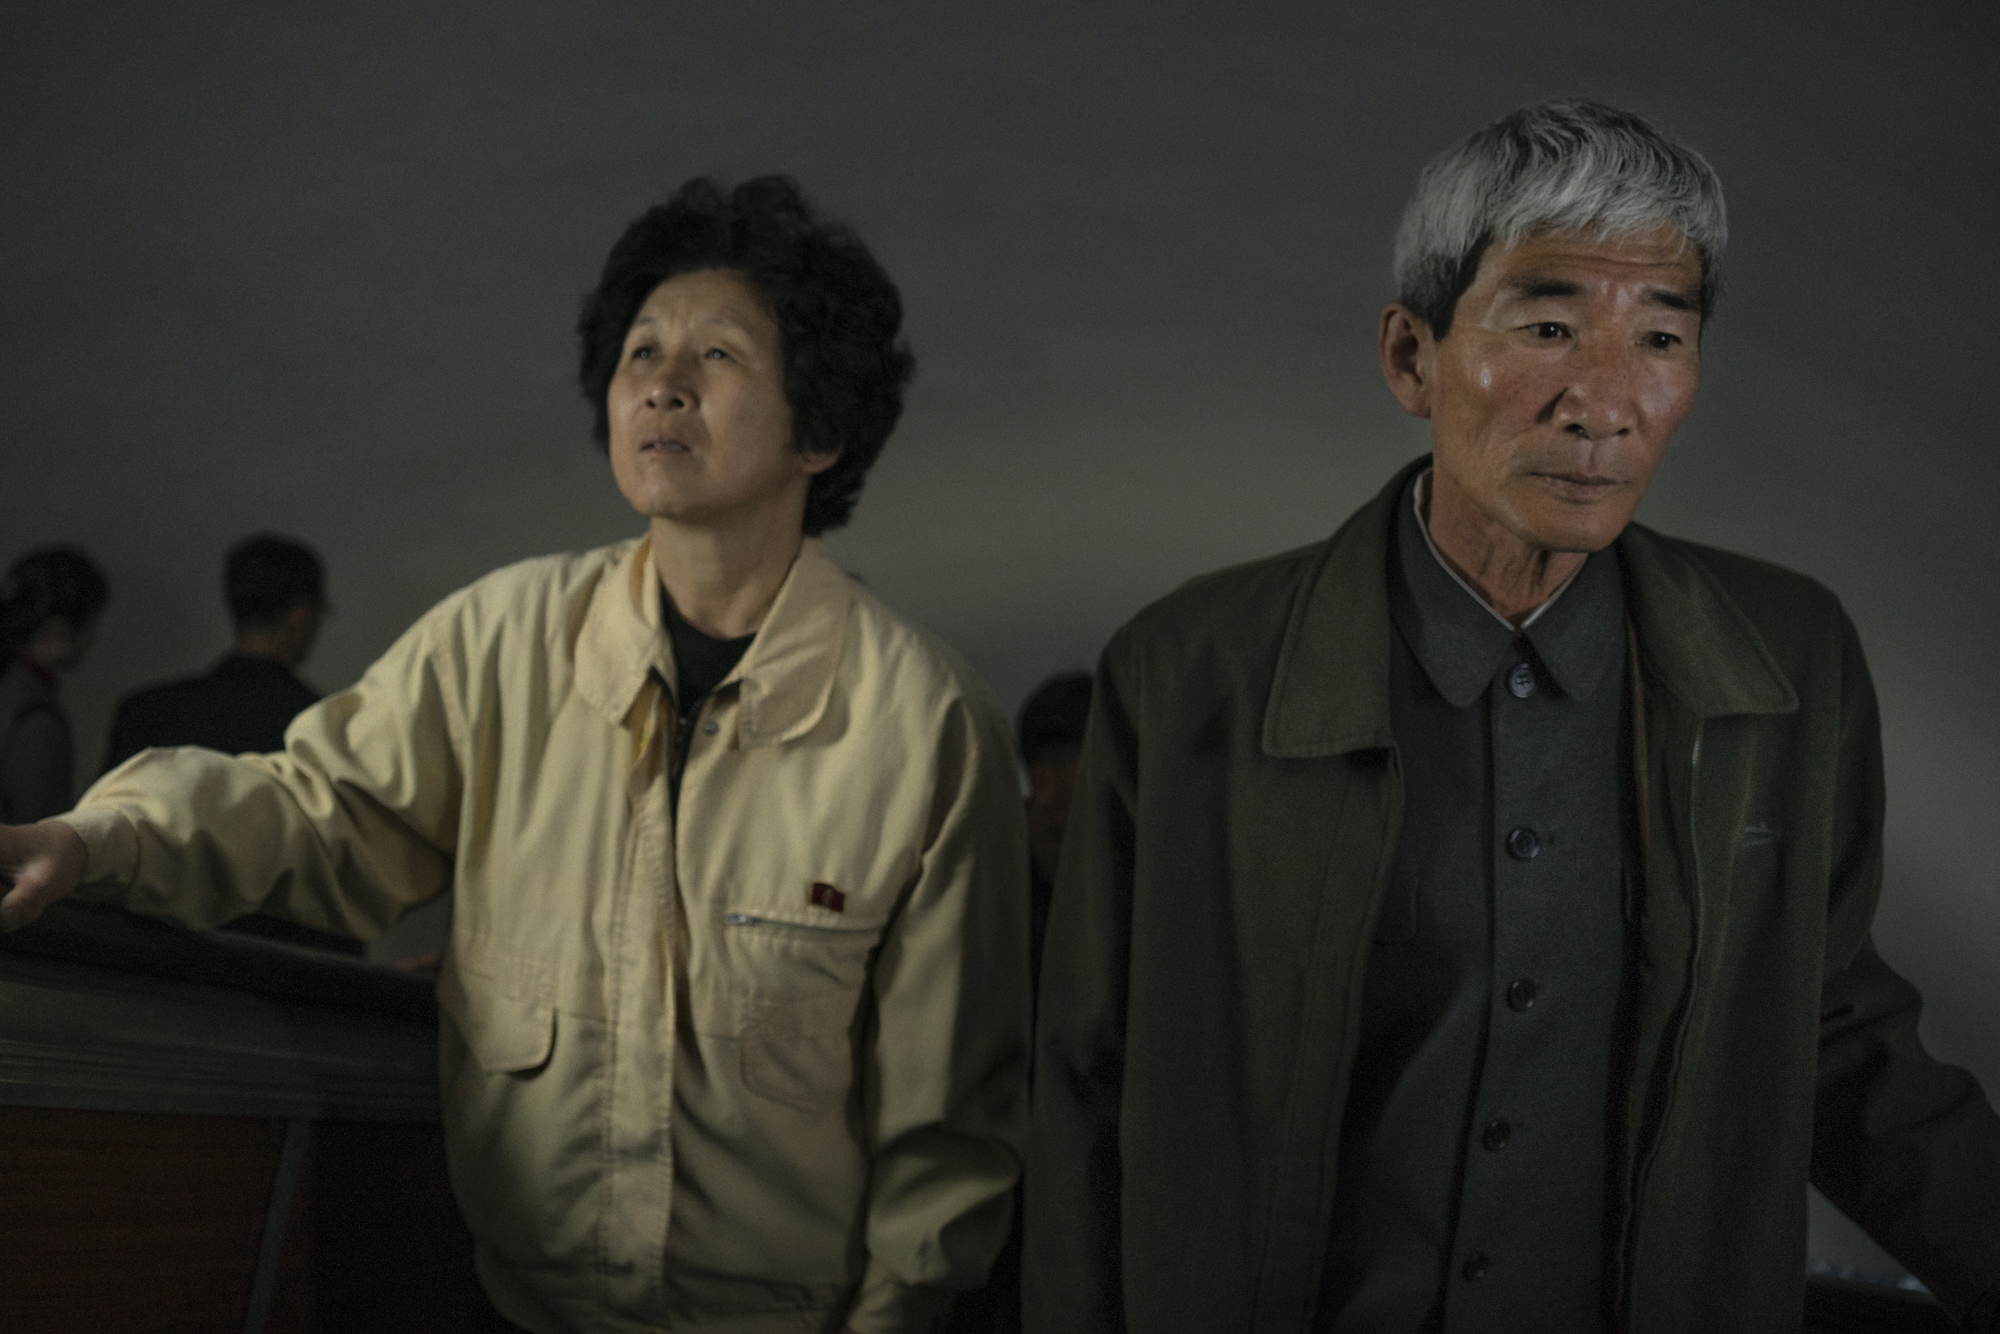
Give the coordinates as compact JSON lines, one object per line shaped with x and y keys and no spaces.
{"x":1464,"y":921}
{"x":735,"y":1007}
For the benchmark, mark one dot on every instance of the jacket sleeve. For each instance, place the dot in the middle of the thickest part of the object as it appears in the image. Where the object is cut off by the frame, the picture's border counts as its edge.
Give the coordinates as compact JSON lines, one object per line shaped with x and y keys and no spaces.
{"x":1905,"y":1145}
{"x":946,"y":1073}
{"x":346,"y":829}
{"x":1071,"y":1247}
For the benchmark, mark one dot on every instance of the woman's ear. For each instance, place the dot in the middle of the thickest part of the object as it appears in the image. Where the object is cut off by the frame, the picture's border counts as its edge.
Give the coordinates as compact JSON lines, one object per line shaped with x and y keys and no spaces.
{"x":813,"y":462}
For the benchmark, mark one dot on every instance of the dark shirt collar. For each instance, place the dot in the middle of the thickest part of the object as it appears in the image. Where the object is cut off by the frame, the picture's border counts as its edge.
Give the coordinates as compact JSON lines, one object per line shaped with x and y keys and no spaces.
{"x":1461,"y":642}
{"x":237,"y":660}
{"x":701,"y":661}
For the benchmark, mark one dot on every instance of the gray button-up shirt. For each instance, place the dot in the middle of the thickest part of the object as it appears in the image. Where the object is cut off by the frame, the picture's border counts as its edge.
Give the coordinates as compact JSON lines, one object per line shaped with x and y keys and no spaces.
{"x":1473,"y":1185}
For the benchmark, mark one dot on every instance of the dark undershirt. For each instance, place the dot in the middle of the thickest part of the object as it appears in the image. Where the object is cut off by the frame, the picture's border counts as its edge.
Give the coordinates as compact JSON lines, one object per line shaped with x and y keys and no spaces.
{"x":700,"y":661}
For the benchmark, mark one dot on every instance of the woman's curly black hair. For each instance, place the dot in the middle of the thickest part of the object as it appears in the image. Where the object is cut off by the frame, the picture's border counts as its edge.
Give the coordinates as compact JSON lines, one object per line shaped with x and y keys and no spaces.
{"x":837,"y":312}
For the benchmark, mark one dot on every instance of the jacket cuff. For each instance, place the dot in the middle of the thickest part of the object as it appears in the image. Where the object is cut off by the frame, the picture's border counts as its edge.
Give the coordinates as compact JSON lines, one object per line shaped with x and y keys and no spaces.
{"x":112,"y":843}
{"x":887,"y":1305}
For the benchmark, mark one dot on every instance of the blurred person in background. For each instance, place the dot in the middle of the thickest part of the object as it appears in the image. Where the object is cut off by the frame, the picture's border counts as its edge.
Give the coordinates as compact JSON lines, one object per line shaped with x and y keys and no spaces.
{"x":276,"y":590}
{"x":1050,"y":735}
{"x":49,"y":603}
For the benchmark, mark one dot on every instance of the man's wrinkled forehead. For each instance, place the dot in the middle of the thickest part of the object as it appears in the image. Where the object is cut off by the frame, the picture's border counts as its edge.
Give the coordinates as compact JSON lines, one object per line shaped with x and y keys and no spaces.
{"x":1554,"y":265}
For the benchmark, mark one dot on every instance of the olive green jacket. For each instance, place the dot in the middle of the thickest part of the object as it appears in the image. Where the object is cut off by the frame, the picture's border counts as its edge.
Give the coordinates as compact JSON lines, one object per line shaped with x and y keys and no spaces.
{"x":1236,"y":816}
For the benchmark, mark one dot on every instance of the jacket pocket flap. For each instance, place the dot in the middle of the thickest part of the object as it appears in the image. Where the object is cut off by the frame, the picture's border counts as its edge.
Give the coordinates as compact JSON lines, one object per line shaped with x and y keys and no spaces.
{"x":506,"y":1035}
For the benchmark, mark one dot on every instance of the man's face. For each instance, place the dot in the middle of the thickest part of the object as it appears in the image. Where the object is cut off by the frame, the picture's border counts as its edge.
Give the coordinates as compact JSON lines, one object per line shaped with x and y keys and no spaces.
{"x":304,"y":622}
{"x":1571,"y":362}
{"x":701,"y":433}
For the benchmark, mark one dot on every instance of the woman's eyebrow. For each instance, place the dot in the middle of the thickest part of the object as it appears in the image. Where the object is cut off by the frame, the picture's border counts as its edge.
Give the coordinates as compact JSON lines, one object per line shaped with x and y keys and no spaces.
{"x":721,"y":320}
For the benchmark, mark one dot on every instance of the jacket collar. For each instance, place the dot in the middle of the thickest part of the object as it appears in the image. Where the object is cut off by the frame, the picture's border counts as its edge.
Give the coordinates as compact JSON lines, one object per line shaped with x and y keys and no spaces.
{"x":1693,"y":638}
{"x":1330,"y":692}
{"x":785,"y":677}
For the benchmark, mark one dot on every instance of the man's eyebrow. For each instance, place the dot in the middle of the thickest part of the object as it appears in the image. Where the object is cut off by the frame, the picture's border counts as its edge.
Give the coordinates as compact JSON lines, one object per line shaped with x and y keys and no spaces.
{"x":1532,"y":287}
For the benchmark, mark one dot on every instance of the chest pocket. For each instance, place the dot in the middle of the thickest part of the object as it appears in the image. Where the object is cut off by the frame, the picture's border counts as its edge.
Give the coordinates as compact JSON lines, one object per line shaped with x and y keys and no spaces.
{"x":1759,"y":858}
{"x":790,"y":992}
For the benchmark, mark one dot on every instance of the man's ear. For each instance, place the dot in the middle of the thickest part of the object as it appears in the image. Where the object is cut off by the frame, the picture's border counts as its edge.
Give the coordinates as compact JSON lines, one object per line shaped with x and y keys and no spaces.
{"x":1409,"y":358}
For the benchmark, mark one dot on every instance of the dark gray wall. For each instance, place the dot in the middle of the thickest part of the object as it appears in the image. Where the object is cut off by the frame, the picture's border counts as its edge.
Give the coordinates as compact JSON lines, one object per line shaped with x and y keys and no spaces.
{"x":316,"y":269}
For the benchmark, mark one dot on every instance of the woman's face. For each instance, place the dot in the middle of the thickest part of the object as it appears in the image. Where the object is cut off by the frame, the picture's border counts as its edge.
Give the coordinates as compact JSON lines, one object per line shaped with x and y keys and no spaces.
{"x":701,"y":433}
{"x":58,"y":645}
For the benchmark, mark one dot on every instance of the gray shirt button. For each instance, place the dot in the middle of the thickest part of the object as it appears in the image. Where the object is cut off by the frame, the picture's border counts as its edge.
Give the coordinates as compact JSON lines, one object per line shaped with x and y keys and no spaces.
{"x":1521,"y":681}
{"x":710,"y":728}
{"x":1523,"y":845}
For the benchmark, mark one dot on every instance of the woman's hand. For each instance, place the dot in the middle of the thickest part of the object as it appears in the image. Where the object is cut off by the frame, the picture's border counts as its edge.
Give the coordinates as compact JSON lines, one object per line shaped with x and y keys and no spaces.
{"x":45,"y":861}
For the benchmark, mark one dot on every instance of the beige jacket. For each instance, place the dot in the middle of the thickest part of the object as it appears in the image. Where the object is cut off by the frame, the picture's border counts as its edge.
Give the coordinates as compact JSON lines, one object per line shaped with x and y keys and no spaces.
{"x":835,"y":938}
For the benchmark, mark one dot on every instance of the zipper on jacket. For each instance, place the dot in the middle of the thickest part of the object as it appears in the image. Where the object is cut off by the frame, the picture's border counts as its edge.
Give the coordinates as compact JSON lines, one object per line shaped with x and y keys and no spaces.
{"x":1694,"y":843}
{"x":751,"y":919}
{"x":1679,"y":1037}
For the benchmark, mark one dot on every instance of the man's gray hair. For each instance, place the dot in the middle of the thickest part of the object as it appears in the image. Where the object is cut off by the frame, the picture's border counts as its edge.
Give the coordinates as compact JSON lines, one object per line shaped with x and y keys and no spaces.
{"x":1570,"y":166}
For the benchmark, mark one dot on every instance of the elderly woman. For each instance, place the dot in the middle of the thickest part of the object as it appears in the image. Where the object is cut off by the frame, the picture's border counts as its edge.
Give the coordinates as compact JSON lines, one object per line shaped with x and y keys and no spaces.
{"x":735,"y":997}
{"x":49,"y":603}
